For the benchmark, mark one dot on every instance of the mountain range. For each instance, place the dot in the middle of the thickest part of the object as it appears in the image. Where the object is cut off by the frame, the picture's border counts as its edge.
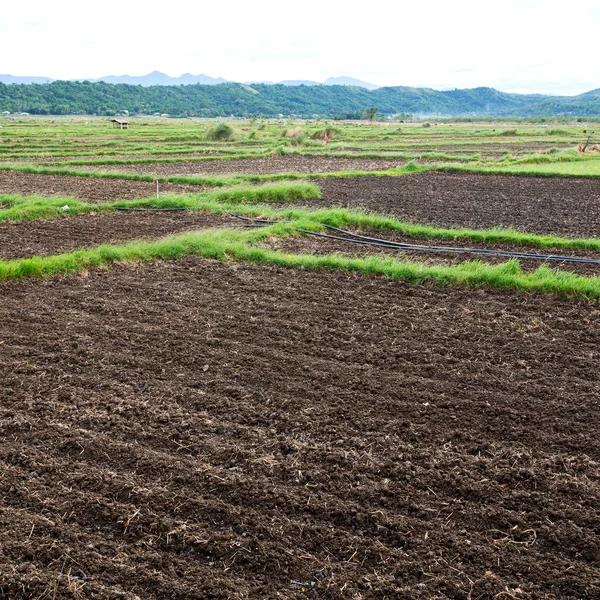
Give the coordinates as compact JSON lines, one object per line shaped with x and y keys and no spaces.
{"x":158,"y":78}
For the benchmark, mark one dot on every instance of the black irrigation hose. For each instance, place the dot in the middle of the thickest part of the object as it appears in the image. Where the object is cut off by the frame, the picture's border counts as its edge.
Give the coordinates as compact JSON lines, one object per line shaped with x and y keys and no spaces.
{"x":149,"y":209}
{"x":503,"y":253}
{"x":255,"y":220}
{"x":370,"y":241}
{"x":234,"y":225}
{"x":449,"y":249}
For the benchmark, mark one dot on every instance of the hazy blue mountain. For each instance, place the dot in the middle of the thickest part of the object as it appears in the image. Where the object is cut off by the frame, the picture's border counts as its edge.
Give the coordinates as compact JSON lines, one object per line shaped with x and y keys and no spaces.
{"x":591,"y":95}
{"x":330,"y":81}
{"x":158,"y":78}
{"x":299,"y":82}
{"x":8,"y":79}
{"x":343,"y":80}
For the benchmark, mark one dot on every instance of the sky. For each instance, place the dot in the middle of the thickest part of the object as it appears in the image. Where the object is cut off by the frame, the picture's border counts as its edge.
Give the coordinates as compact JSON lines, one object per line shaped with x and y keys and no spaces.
{"x":537,"y":46}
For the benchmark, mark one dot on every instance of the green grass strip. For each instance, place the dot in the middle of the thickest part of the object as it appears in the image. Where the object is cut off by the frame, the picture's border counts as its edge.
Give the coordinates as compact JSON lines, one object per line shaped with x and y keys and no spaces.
{"x":588,"y":168}
{"x":28,"y":208}
{"x":31,"y":208}
{"x":222,"y":245}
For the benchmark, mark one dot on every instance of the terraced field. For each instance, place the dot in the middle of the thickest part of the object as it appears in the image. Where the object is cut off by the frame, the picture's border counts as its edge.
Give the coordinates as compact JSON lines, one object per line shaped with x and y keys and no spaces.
{"x":202,"y":399}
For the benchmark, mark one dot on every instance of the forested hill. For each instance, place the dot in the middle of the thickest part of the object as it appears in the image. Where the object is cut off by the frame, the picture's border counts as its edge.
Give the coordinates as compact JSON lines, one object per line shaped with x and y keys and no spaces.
{"x":67,"y":97}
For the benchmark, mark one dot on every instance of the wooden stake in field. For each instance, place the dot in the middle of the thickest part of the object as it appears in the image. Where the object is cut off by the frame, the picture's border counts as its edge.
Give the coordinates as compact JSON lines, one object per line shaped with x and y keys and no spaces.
{"x":157,"y":189}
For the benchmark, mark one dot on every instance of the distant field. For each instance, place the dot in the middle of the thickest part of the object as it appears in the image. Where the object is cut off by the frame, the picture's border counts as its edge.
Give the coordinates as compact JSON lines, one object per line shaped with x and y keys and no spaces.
{"x":238,"y":362}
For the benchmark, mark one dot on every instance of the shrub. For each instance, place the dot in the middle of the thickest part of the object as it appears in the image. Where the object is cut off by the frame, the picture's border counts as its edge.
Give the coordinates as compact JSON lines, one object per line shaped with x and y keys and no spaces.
{"x":297,"y":140}
{"x":220,"y":133}
{"x":426,"y":124}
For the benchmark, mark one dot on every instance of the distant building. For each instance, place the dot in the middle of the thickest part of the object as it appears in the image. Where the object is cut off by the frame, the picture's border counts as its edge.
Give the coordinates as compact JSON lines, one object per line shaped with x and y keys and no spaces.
{"x":120,"y":123}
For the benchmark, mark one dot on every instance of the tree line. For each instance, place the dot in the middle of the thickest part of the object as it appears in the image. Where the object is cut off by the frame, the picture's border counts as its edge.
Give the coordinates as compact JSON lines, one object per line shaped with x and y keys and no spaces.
{"x":343,"y":102}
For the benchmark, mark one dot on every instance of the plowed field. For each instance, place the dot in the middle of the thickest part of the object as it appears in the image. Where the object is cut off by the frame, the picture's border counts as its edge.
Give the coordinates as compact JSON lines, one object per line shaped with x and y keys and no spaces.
{"x":90,"y":189}
{"x":569,"y":207}
{"x":258,"y":166}
{"x":195,"y":429}
{"x":24,"y":239}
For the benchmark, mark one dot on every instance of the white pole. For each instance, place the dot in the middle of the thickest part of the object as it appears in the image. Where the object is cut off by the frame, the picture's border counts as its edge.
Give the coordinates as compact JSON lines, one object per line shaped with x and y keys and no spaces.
{"x":157,"y":189}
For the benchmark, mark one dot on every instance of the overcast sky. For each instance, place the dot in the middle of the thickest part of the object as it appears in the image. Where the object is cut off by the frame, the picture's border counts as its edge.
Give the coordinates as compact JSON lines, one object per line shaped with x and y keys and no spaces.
{"x":546,"y":46}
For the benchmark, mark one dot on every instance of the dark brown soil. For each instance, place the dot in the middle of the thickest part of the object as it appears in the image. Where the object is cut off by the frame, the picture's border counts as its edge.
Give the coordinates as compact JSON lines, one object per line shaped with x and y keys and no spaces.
{"x":195,"y":430}
{"x":567,"y":207}
{"x":257,"y":166}
{"x":54,"y":236}
{"x":307,"y":244}
{"x":78,"y":157}
{"x":487,"y":147}
{"x":86,"y":188}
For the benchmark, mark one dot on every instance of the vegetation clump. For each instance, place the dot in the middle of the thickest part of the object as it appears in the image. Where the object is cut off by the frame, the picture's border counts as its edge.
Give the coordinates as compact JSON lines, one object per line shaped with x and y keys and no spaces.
{"x":329,"y":131}
{"x":220,"y":133}
{"x":290,"y":133}
{"x":508,"y":133}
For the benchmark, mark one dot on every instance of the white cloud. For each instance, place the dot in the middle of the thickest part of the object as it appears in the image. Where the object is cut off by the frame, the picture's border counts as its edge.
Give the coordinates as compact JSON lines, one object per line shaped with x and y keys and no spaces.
{"x":513,"y":45}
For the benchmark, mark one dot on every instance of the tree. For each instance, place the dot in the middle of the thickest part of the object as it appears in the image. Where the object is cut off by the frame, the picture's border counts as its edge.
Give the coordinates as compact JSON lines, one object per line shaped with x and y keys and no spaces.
{"x":371,"y":112}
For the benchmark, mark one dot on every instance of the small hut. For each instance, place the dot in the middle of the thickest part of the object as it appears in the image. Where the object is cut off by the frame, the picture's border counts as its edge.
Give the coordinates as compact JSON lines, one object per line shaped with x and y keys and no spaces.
{"x":120,"y":123}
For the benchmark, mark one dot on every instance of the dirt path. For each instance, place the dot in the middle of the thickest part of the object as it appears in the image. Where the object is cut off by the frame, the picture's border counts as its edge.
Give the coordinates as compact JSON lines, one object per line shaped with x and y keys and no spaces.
{"x":568,"y":207}
{"x":54,"y":236}
{"x":207,"y":430}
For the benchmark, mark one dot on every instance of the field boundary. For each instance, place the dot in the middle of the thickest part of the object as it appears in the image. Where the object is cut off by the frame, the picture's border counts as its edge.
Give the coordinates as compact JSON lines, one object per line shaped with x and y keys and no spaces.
{"x":226,"y":245}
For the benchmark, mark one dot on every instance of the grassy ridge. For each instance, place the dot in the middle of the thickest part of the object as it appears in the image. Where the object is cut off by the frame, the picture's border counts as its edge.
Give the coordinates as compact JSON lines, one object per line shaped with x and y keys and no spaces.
{"x":224,"y":245}
{"x":28,"y":208}
{"x":252,"y":202}
{"x":565,"y":164}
